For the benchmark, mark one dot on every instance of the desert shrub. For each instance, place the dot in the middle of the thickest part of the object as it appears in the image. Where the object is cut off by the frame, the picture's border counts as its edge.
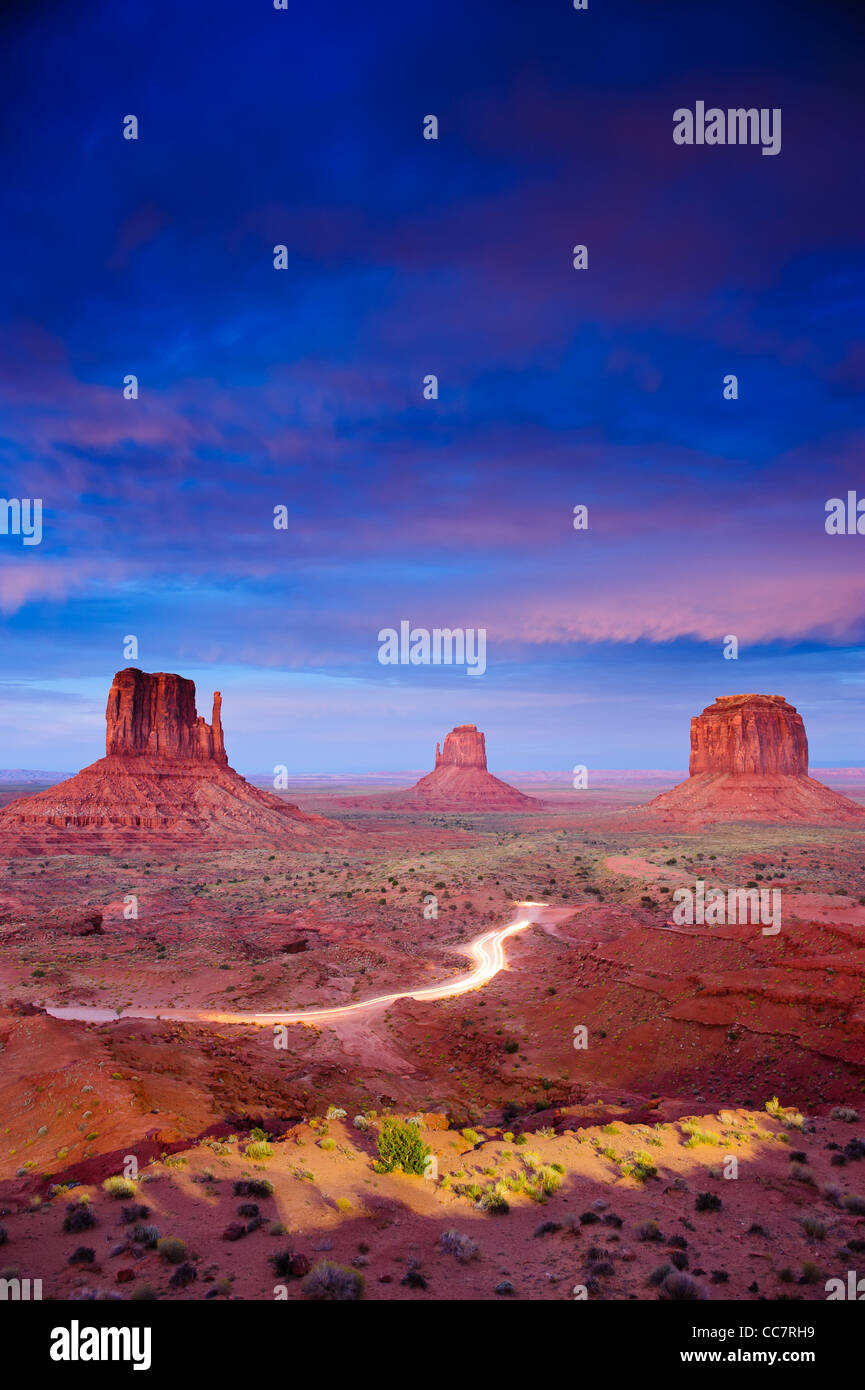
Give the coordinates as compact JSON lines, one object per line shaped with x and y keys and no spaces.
{"x":548,"y":1228}
{"x":327,"y":1144}
{"x":248,"y":1209}
{"x":143,"y":1293}
{"x":171,"y":1249}
{"x":494,"y":1201}
{"x":649,"y":1230}
{"x":253,"y":1187}
{"x":800,"y":1172}
{"x":681,"y":1287}
{"x":707,"y":1201}
{"x":84,"y":1255}
{"x":471,"y":1136}
{"x":335,"y":1113}
{"x":78,"y":1217}
{"x":283,"y":1261}
{"x":462,"y":1247}
{"x":697,"y":1136}
{"x":4,"y":1235}
{"x":259,"y":1149}
{"x":360,"y":1122}
{"x":333,"y":1282}
{"x":639,"y":1166}
{"x":792,"y":1119}
{"x":659,"y":1274}
{"x":119,"y":1188}
{"x":811,"y":1273}
{"x":138,"y":1212}
{"x":547,"y":1181}
{"x":400,"y":1146}
{"x":844,"y":1112}
{"x":813,"y":1228}
{"x":854,"y":1204}
{"x":145,"y":1235}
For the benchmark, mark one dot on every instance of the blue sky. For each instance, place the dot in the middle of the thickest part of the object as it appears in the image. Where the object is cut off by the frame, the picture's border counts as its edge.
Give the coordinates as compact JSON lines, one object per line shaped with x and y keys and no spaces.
{"x":405,"y":257}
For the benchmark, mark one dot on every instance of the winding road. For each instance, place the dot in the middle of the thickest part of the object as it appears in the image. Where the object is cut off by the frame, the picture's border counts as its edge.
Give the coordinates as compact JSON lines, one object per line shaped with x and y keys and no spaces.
{"x":487,"y":952}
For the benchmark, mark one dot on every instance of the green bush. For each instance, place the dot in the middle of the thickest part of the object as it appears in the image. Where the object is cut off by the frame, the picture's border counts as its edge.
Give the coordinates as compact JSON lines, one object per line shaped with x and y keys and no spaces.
{"x":400,"y":1146}
{"x":119,"y":1188}
{"x":172,"y":1249}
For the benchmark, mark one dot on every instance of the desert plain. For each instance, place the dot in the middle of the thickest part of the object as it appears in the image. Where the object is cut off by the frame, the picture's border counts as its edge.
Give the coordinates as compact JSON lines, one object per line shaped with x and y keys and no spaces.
{"x":579,"y":1110}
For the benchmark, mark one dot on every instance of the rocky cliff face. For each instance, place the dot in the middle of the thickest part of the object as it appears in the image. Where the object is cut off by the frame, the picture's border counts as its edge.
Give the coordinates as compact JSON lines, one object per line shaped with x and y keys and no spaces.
{"x":464,"y":746}
{"x":749,"y":734}
{"x":165,"y":770}
{"x":749,"y":762}
{"x":155,"y":716}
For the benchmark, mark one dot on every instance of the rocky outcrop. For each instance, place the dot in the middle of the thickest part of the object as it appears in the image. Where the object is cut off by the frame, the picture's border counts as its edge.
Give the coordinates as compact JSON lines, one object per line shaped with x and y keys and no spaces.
{"x":749,"y":734}
{"x":460,"y":780}
{"x":165,"y":770}
{"x":155,"y":715}
{"x":464,"y":746}
{"x":749,"y":762}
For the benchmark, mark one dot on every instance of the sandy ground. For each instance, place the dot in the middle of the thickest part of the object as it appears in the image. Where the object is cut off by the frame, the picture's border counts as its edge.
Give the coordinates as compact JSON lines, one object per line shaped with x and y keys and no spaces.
{"x":689,"y":1021}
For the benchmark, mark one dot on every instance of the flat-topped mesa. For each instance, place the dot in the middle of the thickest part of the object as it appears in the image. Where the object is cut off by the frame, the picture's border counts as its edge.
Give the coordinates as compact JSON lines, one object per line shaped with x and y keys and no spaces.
{"x":749,"y":762}
{"x":464,"y":746}
{"x":749,"y":735}
{"x":154,"y":715}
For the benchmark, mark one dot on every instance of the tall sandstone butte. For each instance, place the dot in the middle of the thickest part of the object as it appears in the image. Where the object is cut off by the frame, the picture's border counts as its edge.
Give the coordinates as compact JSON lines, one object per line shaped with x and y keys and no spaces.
{"x":154,"y":715}
{"x":749,"y":761}
{"x":749,"y":734}
{"x":460,"y":779}
{"x":165,"y":769}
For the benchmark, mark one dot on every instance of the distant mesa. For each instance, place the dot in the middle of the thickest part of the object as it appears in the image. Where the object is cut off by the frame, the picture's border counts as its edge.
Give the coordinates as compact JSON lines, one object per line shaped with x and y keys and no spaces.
{"x":460,"y":780}
{"x":165,"y":769}
{"x":749,"y":762}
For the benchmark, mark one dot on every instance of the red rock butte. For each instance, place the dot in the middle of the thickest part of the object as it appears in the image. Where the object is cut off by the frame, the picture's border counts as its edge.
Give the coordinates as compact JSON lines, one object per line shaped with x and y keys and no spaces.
{"x":165,"y":769}
{"x":749,"y":761}
{"x":460,"y":779}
